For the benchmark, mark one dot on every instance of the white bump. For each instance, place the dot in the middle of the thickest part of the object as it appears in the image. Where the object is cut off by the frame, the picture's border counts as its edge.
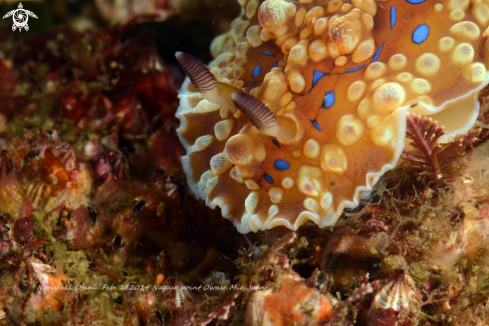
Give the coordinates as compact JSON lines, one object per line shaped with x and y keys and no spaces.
{"x":313,"y":14}
{"x":308,"y":180}
{"x":311,"y":205}
{"x":285,"y":100}
{"x":224,"y":113}
{"x":224,"y":59}
{"x":306,"y":31}
{"x":296,"y":153}
{"x":462,"y":4}
{"x":297,"y":82}
{"x":222,"y":129}
{"x":364,"y":50}
{"x":346,"y":7}
{"x":326,"y":200}
{"x":397,"y":62}
{"x":251,"y":184}
{"x":317,"y":50}
{"x":235,"y":175}
{"x":467,"y":30}
{"x":333,"y":159}
{"x":206,"y":106}
{"x":251,"y":8}
{"x":253,"y":36}
{"x":289,"y":44}
{"x":204,"y":178}
{"x":457,"y":14}
{"x":480,"y":10}
{"x":251,"y":202}
{"x":299,"y":17}
{"x":333,"y":50}
{"x":276,"y":194}
{"x":244,"y":173}
{"x":369,"y":6}
{"x":438,"y":7}
{"x":272,"y":211}
{"x":421,"y":86}
{"x":446,"y":44}
{"x":384,"y":132}
{"x":356,"y":91}
{"x":203,"y":142}
{"x":404,"y":77}
{"x":375,"y":70}
{"x":298,"y":54}
{"x":255,"y":223}
{"x":389,"y":96}
{"x":377,"y":83}
{"x":463,"y":54}
{"x":476,"y":72}
{"x":275,"y":14}
{"x":239,"y":149}
{"x":220,"y":164}
{"x":364,"y":108}
{"x":288,"y":183}
{"x":274,"y":85}
{"x":266,"y":36}
{"x":349,"y":130}
{"x":211,"y":184}
{"x":239,"y":72}
{"x":428,"y":64}
{"x":320,"y":26}
{"x":311,"y":148}
{"x":340,"y":61}
{"x":373,"y":120}
{"x":368,"y":22}
{"x":334,"y":5}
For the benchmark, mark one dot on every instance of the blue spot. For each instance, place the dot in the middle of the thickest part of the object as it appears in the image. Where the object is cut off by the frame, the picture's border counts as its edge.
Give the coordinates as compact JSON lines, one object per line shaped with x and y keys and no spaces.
{"x":315,"y":124}
{"x":270,"y":54}
{"x":317,"y":76}
{"x":258,"y":24}
{"x":275,"y":65}
{"x":253,"y":83}
{"x":377,"y":54}
{"x":282,"y":165}
{"x":275,"y":142}
{"x":256,"y":72}
{"x":329,"y":99}
{"x":421,"y":33}
{"x":393,"y":16}
{"x":415,"y":2}
{"x":354,"y":69}
{"x":268,"y":178}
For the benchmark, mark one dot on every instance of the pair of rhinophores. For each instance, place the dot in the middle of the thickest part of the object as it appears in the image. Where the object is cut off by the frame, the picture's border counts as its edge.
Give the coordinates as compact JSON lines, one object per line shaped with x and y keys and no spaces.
{"x":231,"y":98}
{"x":325,"y":87}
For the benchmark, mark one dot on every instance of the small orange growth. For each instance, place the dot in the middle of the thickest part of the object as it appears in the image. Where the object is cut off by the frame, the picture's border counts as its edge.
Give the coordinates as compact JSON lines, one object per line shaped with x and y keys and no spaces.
{"x":293,"y":302}
{"x":159,"y":279}
{"x":56,"y":296}
{"x":324,"y":314}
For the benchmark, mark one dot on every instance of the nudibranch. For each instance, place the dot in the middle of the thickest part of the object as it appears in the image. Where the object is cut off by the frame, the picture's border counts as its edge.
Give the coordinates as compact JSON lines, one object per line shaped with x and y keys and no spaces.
{"x":304,"y":106}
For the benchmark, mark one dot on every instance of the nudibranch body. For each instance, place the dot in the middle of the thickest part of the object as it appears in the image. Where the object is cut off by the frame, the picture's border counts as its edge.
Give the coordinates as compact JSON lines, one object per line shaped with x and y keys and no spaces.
{"x":340,"y":77}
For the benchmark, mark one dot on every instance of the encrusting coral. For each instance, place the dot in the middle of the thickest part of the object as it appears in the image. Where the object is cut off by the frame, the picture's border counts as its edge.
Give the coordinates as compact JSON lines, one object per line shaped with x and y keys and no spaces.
{"x":339,"y":78}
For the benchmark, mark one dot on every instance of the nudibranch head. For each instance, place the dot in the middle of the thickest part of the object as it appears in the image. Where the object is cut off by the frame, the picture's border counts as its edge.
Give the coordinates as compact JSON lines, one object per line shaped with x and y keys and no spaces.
{"x":337,"y":78}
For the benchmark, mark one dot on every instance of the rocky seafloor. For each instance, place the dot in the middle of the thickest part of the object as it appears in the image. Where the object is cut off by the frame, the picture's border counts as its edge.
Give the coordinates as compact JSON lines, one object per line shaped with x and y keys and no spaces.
{"x":98,"y":226}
